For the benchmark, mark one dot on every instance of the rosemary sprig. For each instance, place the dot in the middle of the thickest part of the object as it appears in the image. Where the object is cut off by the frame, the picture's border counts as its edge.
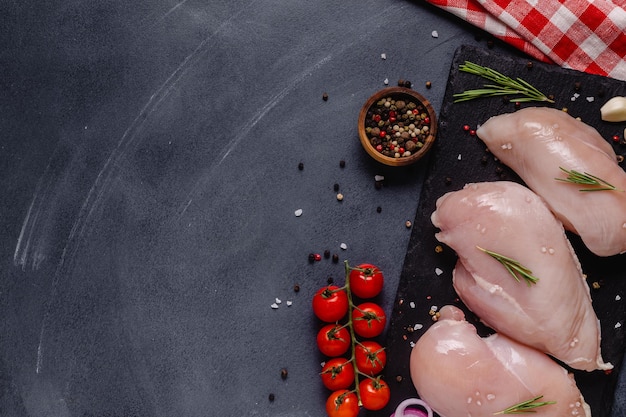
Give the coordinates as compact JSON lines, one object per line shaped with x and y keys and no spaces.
{"x":584,"y":178}
{"x":527,"y":406}
{"x":515,"y":268}
{"x":503,"y":86}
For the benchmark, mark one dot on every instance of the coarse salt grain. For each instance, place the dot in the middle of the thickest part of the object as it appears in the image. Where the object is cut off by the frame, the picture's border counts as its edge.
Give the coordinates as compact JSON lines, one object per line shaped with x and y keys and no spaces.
{"x":386,"y":82}
{"x":617,"y":298}
{"x":590,"y":99}
{"x":433,"y":308}
{"x":459,"y":157}
{"x":412,"y":344}
{"x":343,"y":246}
{"x":274,"y":306}
{"x":418,"y":326}
{"x":438,"y":271}
{"x":289,"y":303}
{"x":278,"y":301}
{"x":378,"y":178}
{"x":618,"y":325}
{"x":412,"y":304}
{"x":383,"y":56}
{"x":434,"y":34}
{"x":298,"y":212}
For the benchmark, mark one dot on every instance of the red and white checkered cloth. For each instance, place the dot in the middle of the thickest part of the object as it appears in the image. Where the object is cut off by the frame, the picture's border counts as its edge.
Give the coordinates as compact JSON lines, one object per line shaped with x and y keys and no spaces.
{"x":586,"y":35}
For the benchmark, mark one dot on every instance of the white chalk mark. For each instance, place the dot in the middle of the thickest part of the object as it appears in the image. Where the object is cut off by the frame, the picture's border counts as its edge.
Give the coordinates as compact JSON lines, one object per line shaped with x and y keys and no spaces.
{"x":249,"y":125}
{"x":269,"y":106}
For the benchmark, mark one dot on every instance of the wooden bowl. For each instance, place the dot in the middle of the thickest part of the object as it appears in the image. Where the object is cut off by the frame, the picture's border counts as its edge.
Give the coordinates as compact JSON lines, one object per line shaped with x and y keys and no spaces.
{"x":376,"y":117}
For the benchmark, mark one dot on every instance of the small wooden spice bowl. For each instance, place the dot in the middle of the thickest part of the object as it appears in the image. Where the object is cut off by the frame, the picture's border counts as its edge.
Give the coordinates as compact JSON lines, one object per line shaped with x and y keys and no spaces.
{"x":397,"y":114}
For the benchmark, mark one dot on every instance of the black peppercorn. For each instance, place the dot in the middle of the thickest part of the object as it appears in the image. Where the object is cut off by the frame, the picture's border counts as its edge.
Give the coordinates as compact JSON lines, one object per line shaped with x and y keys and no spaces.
{"x":271,"y":397}
{"x":336,"y":187}
{"x":335,"y":258}
{"x":577,"y":86}
{"x":342,"y":163}
{"x":529,"y":64}
{"x":300,"y":166}
{"x":428,"y":84}
{"x":400,"y":82}
{"x":311,"y":257}
{"x":407,"y":84}
{"x":448,"y":181}
{"x":284,"y":373}
{"x":296,"y":288}
{"x":325,"y":96}
{"x":326,"y":254}
{"x":379,"y":209}
{"x":330,"y":280}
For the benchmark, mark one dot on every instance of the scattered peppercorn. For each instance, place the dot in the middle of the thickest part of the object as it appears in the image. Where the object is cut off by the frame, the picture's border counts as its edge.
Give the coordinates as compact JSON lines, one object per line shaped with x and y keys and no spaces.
{"x":271,"y":397}
{"x":448,"y":181}
{"x":284,"y":373}
{"x":518,"y":105}
{"x":335,"y":258}
{"x":484,"y":160}
{"x":300,"y":166}
{"x":529,"y":64}
{"x":400,"y":82}
{"x":296,"y":288}
{"x":327,"y":254}
{"x":408,"y":224}
{"x":428,"y":84}
{"x":438,"y":249}
{"x":330,"y":280}
{"x":336,"y":187}
{"x":577,"y":86}
{"x":342,"y":163}
{"x":378,"y":185}
{"x":407,"y":83}
{"x":311,"y":257}
{"x":325,"y":96}
{"x":399,"y":378}
{"x":379,"y":209}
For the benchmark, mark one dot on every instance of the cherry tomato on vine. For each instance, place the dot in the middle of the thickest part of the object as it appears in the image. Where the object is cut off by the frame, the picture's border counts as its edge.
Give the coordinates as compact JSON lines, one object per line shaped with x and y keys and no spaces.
{"x":337,"y":373}
{"x":342,"y":403}
{"x":370,"y":357}
{"x":333,"y":340}
{"x":375,"y":393}
{"x":366,"y":281}
{"x":330,"y":303}
{"x":368,"y":320}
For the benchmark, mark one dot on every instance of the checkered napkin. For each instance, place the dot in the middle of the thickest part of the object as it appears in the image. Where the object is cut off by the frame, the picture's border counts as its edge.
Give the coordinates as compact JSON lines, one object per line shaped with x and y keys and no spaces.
{"x":586,"y":35}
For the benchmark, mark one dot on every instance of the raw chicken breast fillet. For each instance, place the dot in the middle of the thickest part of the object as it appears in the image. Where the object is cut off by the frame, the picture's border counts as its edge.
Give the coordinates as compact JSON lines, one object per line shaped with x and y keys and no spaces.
{"x":555,"y":314}
{"x":535,"y":142}
{"x":460,"y":374}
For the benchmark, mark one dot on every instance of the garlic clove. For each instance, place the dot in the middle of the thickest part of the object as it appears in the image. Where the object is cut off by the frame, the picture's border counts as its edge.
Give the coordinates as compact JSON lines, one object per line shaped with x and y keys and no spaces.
{"x":614,"y":110}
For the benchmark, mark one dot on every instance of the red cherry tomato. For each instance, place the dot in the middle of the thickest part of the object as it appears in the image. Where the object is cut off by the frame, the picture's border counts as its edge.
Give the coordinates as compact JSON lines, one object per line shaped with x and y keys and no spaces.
{"x":369,"y":320}
{"x":342,"y":403}
{"x":333,"y":340}
{"x":375,"y":393}
{"x":366,"y":281}
{"x":330,"y":303}
{"x":337,"y":373}
{"x":370,"y":357}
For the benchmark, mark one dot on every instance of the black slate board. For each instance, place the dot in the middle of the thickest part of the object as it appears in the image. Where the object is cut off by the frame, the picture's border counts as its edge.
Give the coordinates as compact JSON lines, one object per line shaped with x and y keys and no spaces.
{"x":456,"y":159}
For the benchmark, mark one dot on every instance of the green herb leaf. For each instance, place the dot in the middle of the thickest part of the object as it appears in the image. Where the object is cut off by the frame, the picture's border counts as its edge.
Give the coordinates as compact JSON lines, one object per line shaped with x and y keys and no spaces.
{"x":515,"y":268}
{"x":503,"y":86}
{"x":527,"y":406}
{"x":584,"y":178}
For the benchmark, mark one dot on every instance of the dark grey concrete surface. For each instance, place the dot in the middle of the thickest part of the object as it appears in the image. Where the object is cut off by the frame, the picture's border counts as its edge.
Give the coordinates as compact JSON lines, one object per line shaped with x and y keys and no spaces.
{"x":149,"y":177}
